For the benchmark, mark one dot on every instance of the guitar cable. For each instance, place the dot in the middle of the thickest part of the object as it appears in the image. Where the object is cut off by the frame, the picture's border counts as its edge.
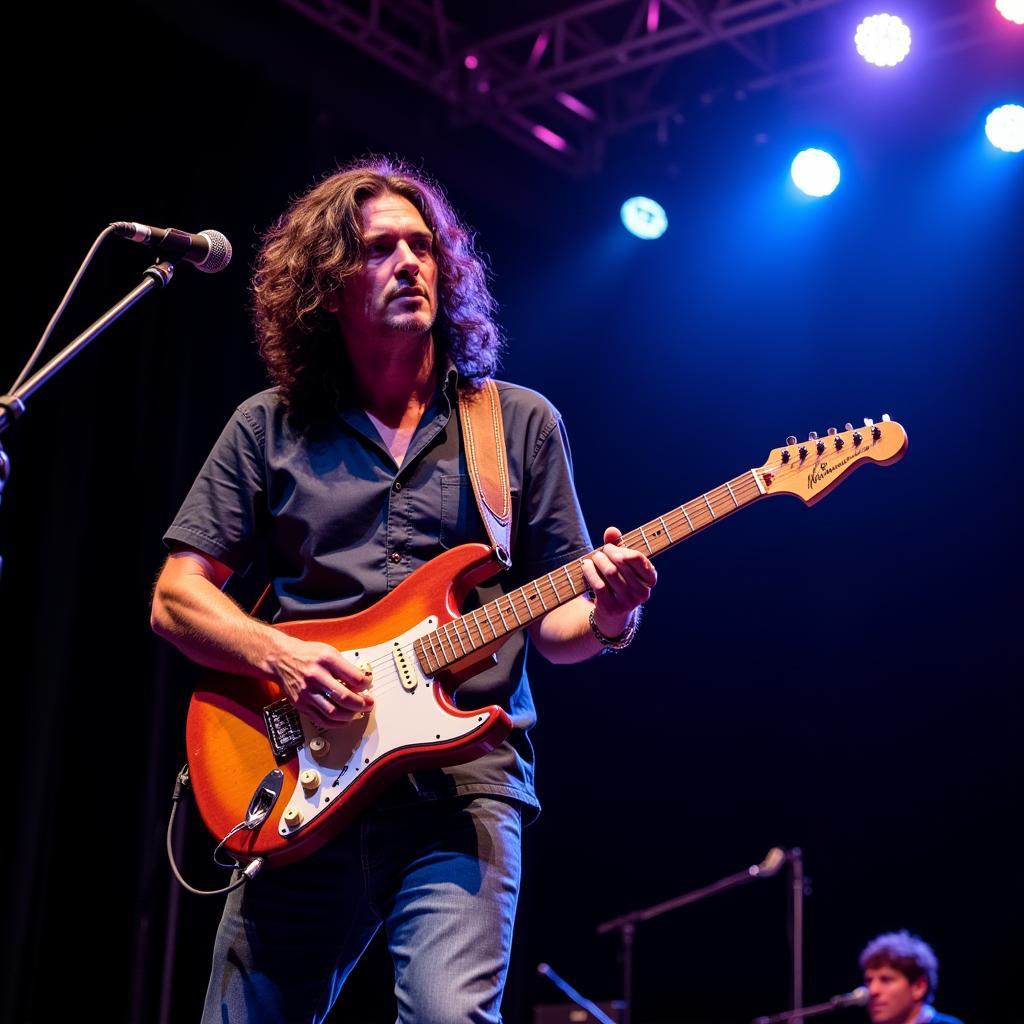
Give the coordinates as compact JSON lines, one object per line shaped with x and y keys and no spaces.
{"x":183,"y":782}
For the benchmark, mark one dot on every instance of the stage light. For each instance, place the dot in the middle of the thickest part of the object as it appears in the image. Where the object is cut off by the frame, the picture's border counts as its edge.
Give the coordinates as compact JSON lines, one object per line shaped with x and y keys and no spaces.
{"x":815,"y":172}
{"x":644,"y":217}
{"x":1005,"y":127}
{"x":883,"y":39}
{"x":1011,"y":10}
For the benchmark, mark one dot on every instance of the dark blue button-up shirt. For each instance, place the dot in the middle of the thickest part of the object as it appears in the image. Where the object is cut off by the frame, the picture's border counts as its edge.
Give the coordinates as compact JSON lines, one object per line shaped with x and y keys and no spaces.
{"x":336,"y":525}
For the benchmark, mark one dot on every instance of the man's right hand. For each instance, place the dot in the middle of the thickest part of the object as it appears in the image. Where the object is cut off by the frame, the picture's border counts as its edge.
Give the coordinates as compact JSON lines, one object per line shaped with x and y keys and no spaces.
{"x":323,"y":685}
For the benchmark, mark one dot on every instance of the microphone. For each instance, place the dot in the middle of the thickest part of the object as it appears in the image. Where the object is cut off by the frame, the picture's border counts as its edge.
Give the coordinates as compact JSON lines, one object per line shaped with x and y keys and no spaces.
{"x":858,"y":997}
{"x":773,"y":861}
{"x":209,"y":251}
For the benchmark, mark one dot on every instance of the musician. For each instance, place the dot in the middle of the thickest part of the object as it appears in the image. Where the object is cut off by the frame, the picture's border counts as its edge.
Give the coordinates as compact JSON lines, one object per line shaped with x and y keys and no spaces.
{"x":900,"y":973}
{"x":372,"y":314}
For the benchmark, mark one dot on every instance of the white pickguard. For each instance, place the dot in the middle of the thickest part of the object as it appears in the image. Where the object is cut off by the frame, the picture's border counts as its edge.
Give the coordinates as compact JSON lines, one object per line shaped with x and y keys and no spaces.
{"x":402,"y":716}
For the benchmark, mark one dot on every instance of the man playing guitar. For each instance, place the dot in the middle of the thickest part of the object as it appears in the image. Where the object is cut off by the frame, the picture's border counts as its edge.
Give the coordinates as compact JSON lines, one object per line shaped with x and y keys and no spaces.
{"x":373,"y":315}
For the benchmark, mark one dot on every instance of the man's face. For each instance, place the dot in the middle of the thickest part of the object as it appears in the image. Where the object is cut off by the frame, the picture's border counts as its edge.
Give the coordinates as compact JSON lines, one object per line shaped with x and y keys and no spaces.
{"x":395,"y":291}
{"x":894,"y":999}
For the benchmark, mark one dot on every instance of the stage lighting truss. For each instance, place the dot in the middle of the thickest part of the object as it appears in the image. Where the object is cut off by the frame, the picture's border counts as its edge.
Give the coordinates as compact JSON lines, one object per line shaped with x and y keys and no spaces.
{"x":564,"y":85}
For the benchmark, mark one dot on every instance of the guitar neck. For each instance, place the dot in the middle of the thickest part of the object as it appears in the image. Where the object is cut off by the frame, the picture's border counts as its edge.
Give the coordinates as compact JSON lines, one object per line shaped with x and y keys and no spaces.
{"x":515,"y":610}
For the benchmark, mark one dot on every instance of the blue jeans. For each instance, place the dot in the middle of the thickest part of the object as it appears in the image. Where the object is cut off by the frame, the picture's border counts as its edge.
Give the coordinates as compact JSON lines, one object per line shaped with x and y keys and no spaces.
{"x":441,"y":876}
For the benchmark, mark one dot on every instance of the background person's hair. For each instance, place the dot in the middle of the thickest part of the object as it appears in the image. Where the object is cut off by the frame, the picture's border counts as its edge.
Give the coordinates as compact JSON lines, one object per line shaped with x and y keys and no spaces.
{"x":907,"y":953}
{"x":318,"y":242}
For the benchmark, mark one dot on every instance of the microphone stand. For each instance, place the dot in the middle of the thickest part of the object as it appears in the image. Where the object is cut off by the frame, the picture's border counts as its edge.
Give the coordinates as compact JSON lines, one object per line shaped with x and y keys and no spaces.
{"x":626,"y":923}
{"x":836,"y":1003}
{"x":12,"y":406}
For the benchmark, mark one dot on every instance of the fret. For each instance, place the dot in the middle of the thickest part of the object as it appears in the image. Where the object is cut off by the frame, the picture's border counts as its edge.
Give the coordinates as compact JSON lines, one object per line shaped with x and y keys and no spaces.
{"x":420,"y":650}
{"x":757,"y":480}
{"x":476,"y":622}
{"x":441,"y":637}
{"x":558,"y":597}
{"x":439,"y":660}
{"x":664,"y":526}
{"x":568,"y":576}
{"x":646,"y":541}
{"x":710,"y":509}
{"x":487,"y":616}
{"x":536,"y":586}
{"x":689,"y":521}
{"x":497,"y":608}
{"x":733,"y":496}
{"x":512,"y":603}
{"x":455,"y":628}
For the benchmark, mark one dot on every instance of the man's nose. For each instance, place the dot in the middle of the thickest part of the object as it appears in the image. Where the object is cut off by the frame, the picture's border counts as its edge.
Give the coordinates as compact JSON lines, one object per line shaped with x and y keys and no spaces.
{"x":408,"y":262}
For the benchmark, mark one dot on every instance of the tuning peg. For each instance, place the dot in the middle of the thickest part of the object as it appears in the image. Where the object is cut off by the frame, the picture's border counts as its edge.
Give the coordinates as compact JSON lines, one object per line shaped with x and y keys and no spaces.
{"x":791,"y":439}
{"x":849,"y":426}
{"x":885,"y":417}
{"x":832,"y":430}
{"x":812,"y":436}
{"x":868,"y":423}
{"x":857,"y":437}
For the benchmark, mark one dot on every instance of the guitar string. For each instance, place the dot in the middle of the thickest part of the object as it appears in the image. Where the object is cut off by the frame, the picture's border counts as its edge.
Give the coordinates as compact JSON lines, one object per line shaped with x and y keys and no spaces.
{"x":675,"y":517}
{"x":745,"y":487}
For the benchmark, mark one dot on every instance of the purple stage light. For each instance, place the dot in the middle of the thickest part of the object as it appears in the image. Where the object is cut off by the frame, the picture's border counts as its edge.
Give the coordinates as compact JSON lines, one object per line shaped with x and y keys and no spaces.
{"x":549,"y":138}
{"x":1011,"y":10}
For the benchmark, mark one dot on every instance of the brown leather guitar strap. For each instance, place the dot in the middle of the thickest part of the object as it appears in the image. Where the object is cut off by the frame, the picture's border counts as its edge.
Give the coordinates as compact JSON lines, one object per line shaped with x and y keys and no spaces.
{"x":483,"y":436}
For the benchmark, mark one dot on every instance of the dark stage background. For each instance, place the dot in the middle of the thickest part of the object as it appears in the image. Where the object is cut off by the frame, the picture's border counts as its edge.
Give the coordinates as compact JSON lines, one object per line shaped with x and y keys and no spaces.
{"x":838,"y":679}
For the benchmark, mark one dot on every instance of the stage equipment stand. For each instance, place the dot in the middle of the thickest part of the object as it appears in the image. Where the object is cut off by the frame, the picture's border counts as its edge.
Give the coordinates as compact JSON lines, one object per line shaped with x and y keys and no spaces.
{"x":12,"y":406}
{"x":858,"y":997}
{"x":626,"y":923}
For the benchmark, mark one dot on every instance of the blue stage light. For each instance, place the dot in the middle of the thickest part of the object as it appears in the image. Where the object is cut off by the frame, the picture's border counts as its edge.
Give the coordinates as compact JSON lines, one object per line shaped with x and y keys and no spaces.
{"x":1005,"y":127}
{"x":1011,"y":10}
{"x":883,"y":39}
{"x":815,"y":172}
{"x":644,"y":217}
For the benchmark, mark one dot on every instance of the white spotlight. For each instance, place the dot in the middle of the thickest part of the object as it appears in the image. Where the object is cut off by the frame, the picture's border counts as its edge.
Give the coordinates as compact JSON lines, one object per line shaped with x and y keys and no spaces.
{"x":1005,"y":127}
{"x":815,"y":172}
{"x":883,"y":39}
{"x":644,"y":217}
{"x":1011,"y":10}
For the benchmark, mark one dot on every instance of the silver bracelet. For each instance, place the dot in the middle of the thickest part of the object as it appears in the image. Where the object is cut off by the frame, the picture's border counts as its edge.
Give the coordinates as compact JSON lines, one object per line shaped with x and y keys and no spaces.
{"x":624,"y":639}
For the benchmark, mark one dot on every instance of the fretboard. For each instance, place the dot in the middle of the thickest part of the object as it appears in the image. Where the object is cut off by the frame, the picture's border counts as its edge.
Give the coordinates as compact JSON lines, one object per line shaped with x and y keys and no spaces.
{"x":515,"y":610}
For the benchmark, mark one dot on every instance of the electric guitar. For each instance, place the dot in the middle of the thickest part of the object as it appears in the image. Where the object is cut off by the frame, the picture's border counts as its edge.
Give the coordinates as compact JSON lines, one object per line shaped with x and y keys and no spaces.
{"x":272,"y":785}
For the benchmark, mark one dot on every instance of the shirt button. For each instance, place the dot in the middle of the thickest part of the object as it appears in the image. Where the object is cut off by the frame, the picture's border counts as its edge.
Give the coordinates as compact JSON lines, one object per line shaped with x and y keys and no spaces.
{"x":398,"y":485}
{"x":395,"y":556}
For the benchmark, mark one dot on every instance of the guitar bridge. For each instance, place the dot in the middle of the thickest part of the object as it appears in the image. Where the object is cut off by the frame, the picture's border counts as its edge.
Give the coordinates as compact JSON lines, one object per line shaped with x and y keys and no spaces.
{"x":284,"y":729}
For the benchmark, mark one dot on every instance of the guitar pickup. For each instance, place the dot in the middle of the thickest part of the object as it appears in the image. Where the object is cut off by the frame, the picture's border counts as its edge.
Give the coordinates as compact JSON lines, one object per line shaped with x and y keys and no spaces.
{"x":284,"y":729}
{"x":404,"y":667}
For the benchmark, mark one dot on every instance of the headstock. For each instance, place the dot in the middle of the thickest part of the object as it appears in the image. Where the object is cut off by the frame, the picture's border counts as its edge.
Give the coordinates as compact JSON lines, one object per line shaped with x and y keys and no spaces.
{"x":811,"y":468}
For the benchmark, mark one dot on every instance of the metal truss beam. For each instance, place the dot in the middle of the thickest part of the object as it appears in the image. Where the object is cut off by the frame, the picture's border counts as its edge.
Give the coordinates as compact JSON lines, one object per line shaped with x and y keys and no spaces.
{"x":562,"y":86}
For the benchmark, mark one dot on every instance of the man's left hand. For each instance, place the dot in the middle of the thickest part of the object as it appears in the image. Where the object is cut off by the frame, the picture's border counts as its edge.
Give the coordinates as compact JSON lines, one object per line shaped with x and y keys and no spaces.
{"x":621,"y":579}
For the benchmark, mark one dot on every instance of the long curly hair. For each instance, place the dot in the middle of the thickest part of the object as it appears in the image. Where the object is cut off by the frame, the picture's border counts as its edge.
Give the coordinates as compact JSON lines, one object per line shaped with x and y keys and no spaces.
{"x":310,"y":251}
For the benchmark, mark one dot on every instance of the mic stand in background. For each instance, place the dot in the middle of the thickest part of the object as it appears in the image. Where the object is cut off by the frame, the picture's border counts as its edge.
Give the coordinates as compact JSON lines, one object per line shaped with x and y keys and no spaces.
{"x":858,"y":997}
{"x":12,"y":406}
{"x":626,"y":923}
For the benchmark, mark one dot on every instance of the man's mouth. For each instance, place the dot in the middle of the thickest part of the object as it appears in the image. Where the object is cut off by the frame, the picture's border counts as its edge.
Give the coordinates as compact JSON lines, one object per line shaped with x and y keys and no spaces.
{"x":409,"y":293}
